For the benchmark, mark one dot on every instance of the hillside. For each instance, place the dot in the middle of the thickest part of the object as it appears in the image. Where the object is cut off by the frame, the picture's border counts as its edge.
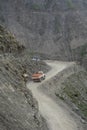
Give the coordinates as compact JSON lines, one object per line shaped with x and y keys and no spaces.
{"x":70,"y":85}
{"x":49,"y":27}
{"x":18,"y":108}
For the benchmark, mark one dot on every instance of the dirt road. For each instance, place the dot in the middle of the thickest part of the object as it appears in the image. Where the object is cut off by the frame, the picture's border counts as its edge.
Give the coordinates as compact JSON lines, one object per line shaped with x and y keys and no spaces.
{"x":57,"y":117}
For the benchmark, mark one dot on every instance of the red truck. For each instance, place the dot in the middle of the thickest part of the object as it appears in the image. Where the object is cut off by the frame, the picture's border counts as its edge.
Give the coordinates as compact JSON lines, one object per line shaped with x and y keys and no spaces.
{"x":38,"y":76}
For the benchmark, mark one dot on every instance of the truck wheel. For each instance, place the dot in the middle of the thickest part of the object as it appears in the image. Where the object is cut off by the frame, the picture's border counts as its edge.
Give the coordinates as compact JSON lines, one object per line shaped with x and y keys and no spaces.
{"x":41,"y":79}
{"x":44,"y":77}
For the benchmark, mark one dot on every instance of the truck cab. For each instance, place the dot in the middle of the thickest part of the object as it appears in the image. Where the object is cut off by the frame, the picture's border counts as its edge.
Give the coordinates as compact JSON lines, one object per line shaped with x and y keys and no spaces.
{"x":38,"y":76}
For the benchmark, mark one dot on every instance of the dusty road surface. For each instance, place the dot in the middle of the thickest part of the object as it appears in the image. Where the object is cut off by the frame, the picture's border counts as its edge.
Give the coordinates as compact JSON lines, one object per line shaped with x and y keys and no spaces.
{"x":57,"y":117}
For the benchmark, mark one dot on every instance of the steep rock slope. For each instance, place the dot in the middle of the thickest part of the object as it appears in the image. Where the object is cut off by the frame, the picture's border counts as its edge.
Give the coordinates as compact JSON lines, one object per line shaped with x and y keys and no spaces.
{"x":55,"y":28}
{"x":18,"y":108}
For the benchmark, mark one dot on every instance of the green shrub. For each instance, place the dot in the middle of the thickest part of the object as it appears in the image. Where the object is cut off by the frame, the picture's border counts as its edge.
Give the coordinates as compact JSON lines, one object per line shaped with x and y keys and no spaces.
{"x":70,"y":4}
{"x":35,"y":7}
{"x":83,"y":50}
{"x":83,"y":107}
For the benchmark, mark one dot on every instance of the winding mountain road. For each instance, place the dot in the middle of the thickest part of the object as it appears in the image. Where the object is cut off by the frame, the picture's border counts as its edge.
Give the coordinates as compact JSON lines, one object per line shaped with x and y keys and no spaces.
{"x":57,"y":117}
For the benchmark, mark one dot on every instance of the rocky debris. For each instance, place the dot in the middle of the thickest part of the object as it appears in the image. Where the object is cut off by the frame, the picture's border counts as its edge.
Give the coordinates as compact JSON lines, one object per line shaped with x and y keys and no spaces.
{"x":19,"y":110}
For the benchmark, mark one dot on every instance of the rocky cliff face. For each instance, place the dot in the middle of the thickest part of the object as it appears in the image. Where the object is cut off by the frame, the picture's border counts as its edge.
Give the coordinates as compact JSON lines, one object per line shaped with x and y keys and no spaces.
{"x":55,"y":28}
{"x":18,"y":108}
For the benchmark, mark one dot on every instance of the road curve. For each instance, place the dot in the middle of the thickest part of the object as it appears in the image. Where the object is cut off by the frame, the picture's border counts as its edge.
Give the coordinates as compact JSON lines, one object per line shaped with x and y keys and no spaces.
{"x":57,"y":117}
